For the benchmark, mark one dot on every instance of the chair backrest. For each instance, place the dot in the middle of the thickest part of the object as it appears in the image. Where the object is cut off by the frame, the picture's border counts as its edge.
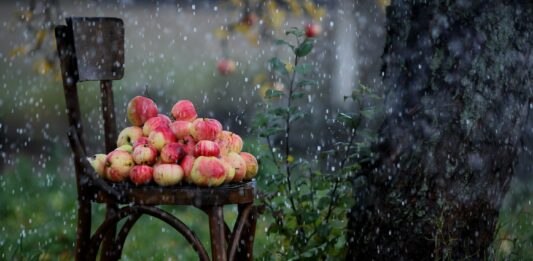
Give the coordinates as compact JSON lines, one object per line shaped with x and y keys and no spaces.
{"x":91,"y":49}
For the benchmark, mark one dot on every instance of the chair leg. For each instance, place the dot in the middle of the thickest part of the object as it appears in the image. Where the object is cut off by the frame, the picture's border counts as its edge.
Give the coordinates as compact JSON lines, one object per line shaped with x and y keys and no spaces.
{"x":108,"y":243}
{"x":242,"y":219}
{"x":123,"y":233}
{"x":217,"y":231}
{"x":83,"y":235}
{"x":246,"y":244}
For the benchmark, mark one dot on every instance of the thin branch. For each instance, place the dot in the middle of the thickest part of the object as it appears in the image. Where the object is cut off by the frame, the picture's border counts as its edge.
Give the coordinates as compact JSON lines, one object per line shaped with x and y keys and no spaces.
{"x":288,"y":127}
{"x":271,"y":148}
{"x":301,"y":232}
{"x":336,"y":184}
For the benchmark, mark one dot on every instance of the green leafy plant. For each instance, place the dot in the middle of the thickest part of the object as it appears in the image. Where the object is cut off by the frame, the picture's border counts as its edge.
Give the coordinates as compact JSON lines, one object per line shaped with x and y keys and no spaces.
{"x":307,"y":196}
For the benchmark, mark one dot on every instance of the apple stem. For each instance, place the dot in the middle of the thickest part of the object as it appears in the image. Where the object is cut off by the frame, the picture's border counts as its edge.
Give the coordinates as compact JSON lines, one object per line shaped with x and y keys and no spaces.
{"x":225,"y":51}
{"x":145,"y":93}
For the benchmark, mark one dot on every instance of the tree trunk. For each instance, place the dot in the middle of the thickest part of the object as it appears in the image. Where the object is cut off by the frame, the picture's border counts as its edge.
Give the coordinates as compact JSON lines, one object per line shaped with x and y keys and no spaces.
{"x":459,"y":78}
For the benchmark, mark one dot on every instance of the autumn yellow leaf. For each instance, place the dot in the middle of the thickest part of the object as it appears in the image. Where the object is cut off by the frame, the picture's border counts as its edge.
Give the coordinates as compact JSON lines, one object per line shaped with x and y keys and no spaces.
{"x":263,"y":89}
{"x":294,"y":7}
{"x":252,"y":38}
{"x":384,"y":3}
{"x":21,"y":50}
{"x":277,"y":16}
{"x":45,"y":256}
{"x":221,"y":33}
{"x":39,"y":37}
{"x":315,"y":12}
{"x":259,"y":78}
{"x":290,"y":159}
{"x":236,"y":2}
{"x":42,"y":66}
{"x":289,"y":67}
{"x":278,"y":86}
{"x":26,"y":16}
{"x":241,"y":27}
{"x":57,"y":76}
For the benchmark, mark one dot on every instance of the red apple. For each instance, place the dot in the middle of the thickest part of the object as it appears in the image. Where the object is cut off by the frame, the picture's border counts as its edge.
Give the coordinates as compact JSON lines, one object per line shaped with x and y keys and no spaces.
{"x":165,"y":117}
{"x":188,"y":144}
{"x":186,"y":164}
{"x":184,"y":111}
{"x":141,"y":174}
{"x":229,"y":142}
{"x":251,"y":165}
{"x":160,"y":137}
{"x":172,"y":153}
{"x":226,"y":66}
{"x":230,"y":171}
{"x":140,"y":109}
{"x":206,"y":148}
{"x":141,"y":141}
{"x":181,"y":129}
{"x":205,"y":129}
{"x":208,"y":171}
{"x":250,"y":19}
{"x":129,"y":135}
{"x":117,"y":165}
{"x":167,"y":174}
{"x":154,"y":123}
{"x":98,"y":163}
{"x":144,"y":154}
{"x":238,"y":163}
{"x":313,"y":30}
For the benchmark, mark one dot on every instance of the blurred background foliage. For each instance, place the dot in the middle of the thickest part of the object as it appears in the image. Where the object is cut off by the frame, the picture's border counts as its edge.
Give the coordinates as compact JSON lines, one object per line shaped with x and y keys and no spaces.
{"x":173,"y":48}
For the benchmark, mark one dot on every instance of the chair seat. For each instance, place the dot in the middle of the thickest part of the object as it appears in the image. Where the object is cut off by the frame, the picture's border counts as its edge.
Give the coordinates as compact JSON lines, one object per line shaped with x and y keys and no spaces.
{"x":233,"y":193}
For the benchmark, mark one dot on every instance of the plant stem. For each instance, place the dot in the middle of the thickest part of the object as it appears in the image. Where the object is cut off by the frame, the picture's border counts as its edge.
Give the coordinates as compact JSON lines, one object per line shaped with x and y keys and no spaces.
{"x":336,"y":184}
{"x":301,"y":232}
{"x":288,"y":126}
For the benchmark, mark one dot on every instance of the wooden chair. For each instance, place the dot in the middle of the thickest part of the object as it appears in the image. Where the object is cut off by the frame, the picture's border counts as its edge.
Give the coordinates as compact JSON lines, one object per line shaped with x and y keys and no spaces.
{"x":92,"y":49}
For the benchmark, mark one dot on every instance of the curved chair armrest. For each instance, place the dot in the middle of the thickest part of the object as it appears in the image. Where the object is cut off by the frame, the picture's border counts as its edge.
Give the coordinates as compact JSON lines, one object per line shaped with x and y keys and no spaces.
{"x":80,"y":156}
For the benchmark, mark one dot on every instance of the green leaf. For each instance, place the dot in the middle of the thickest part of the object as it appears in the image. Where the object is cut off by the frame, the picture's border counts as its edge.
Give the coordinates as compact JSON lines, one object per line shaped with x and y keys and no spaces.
{"x":329,"y":152}
{"x":272,"y":93}
{"x":294,"y":109}
{"x":304,"y":83}
{"x":303,"y":68}
{"x":296,"y":116}
{"x":349,"y":120}
{"x":368,"y":113}
{"x":365,"y":91}
{"x":283,"y":42}
{"x":306,"y":197}
{"x":270,"y":131}
{"x":297,"y":95}
{"x":261,"y":120}
{"x":278,"y":66}
{"x":304,"y":48}
{"x":295,"y":31}
{"x":323,"y":202}
{"x":351,"y":168}
{"x":279,"y":111}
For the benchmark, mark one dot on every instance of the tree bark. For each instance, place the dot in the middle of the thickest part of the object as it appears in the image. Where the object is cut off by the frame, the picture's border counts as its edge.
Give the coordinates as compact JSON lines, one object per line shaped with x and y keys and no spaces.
{"x":459,"y":84}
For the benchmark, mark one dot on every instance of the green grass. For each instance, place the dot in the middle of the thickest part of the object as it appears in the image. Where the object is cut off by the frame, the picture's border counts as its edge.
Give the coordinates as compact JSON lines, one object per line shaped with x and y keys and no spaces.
{"x":38,"y":218}
{"x":37,"y":209}
{"x":514,"y":237}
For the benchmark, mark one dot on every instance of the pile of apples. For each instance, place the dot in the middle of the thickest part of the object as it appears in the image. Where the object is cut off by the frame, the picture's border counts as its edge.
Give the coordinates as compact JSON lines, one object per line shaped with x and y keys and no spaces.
{"x":191,"y":149}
